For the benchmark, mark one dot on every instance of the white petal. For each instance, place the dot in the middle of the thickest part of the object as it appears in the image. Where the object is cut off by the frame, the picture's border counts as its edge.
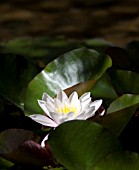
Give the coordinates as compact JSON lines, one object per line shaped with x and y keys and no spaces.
{"x":102,"y":113}
{"x":86,"y":114}
{"x":84,"y":96}
{"x":50,"y":107}
{"x":66,"y":117}
{"x":62,"y":96}
{"x":94,"y":106}
{"x":47,"y":98}
{"x":69,"y":116}
{"x":57,"y":103}
{"x":73,"y":97}
{"x":43,"y":141}
{"x":55,"y":116}
{"x":85,"y":103}
{"x":44,"y":108}
{"x":74,"y":101}
{"x":43,"y":120}
{"x":80,"y":116}
{"x":77,"y":105}
{"x":90,"y":113}
{"x":97,"y":104}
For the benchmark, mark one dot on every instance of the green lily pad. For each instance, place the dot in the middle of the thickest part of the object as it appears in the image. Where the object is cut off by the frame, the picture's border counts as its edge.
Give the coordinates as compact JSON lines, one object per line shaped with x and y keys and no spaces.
{"x":74,"y":67}
{"x":15,"y":73}
{"x":119,"y":160}
{"x":97,"y":44}
{"x":119,"y":113}
{"x":81,"y":144}
{"x":45,"y":49}
{"x":125,"y":81}
{"x":102,"y":88}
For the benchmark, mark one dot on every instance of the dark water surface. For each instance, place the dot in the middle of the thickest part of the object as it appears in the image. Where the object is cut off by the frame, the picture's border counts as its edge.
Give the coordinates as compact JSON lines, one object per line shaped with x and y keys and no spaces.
{"x":116,"y":21}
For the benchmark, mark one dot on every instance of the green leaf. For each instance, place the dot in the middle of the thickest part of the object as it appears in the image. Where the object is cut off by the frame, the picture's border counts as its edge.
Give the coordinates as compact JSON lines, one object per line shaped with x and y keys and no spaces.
{"x":81,"y":144}
{"x":15,"y":73}
{"x":123,"y":102}
{"x":45,"y":49}
{"x":74,"y":67}
{"x":102,"y":88}
{"x":125,"y":81}
{"x":119,"y":113}
{"x":5,"y":163}
{"x":119,"y":160}
{"x":98,"y":44}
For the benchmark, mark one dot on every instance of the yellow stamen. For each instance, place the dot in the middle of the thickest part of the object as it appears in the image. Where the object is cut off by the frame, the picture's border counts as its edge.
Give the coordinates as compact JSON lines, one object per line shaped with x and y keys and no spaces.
{"x":66,"y":109}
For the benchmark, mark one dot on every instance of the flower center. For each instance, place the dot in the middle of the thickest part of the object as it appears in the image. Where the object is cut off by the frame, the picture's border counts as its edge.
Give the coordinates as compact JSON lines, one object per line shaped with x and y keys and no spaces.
{"x":66,"y":109}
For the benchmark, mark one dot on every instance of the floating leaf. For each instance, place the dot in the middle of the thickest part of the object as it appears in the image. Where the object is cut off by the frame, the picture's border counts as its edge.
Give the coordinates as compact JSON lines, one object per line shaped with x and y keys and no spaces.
{"x":125,"y":81}
{"x":102,"y":88}
{"x":98,"y":44}
{"x":81,"y":144}
{"x":119,"y":113}
{"x":45,"y":49}
{"x":123,"y":102}
{"x":118,"y":160}
{"x":74,"y":67}
{"x":15,"y":73}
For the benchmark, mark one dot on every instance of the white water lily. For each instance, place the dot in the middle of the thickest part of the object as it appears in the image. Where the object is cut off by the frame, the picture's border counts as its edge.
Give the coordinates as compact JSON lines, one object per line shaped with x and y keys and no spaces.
{"x":62,"y":109}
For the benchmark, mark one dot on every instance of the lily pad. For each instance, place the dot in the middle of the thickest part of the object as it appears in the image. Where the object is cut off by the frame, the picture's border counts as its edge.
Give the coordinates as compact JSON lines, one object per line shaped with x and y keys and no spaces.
{"x":15,"y":73}
{"x":81,"y":144}
{"x":77,"y":66}
{"x":124,"y":81}
{"x":97,"y":44}
{"x":102,"y":88}
{"x":119,"y":160}
{"x":40,"y":49}
{"x":119,"y":113}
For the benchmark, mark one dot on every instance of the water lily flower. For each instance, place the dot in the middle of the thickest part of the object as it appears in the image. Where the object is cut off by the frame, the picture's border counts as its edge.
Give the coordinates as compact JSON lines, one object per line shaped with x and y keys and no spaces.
{"x":60,"y":109}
